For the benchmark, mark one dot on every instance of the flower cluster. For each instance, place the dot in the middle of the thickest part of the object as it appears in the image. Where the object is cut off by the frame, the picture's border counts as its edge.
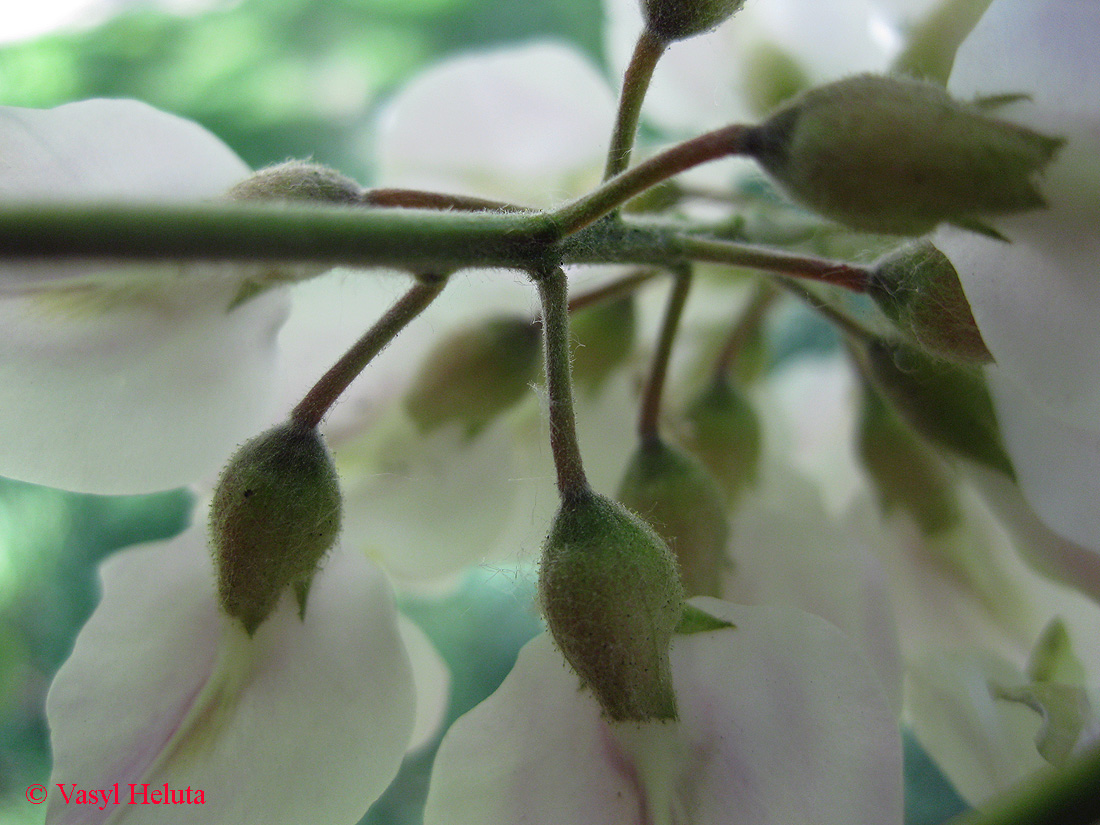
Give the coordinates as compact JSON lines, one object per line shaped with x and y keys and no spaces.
{"x":809,"y":550}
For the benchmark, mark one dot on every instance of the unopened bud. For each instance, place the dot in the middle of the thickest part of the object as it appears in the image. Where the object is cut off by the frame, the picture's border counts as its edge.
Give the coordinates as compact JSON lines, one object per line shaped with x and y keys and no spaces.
{"x":722,"y":430}
{"x":274,"y":515}
{"x":679,"y":19}
{"x":612,"y":598}
{"x":604,"y":336}
{"x":919,"y":290}
{"x":297,"y":180}
{"x":895,"y":156}
{"x":905,"y":473}
{"x":677,"y":496}
{"x":474,"y":374}
{"x":947,"y":403}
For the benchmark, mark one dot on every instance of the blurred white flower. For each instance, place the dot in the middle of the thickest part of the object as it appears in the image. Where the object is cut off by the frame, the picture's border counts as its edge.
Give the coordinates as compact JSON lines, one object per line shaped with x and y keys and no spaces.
{"x":115,"y":378}
{"x":1036,"y":299}
{"x":780,"y":702}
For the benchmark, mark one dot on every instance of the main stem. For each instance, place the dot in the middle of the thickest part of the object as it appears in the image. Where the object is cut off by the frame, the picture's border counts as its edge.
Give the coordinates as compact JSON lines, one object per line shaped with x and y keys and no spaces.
{"x":319,"y":400}
{"x":648,"y":420}
{"x":639,"y":72}
{"x":553,"y":290}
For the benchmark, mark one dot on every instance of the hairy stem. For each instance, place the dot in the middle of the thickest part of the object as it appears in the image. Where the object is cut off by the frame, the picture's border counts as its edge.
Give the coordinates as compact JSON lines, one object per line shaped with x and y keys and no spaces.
{"x":553,"y":290}
{"x":319,"y":400}
{"x":750,"y":319}
{"x":648,"y":419}
{"x":720,"y":143}
{"x":647,"y":52}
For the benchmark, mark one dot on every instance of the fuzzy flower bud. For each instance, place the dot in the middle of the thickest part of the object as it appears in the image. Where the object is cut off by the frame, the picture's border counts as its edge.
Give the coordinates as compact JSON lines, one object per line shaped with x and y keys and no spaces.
{"x":679,"y":498}
{"x":274,"y":515}
{"x":612,"y":598}
{"x":722,"y":430}
{"x":679,"y":19}
{"x":475,"y":373}
{"x":895,"y":156}
{"x":949,"y":404}
{"x":919,"y":290}
{"x":297,"y":180}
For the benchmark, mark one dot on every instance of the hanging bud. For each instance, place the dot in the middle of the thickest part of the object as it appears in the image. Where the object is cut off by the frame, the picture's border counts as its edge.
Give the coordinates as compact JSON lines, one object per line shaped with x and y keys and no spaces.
{"x":474,"y":374}
{"x":677,"y":496}
{"x":297,"y":180}
{"x":905,"y":473}
{"x":919,"y":290}
{"x":949,"y":404}
{"x":604,"y":336}
{"x":679,"y":19}
{"x":274,"y":515}
{"x":722,"y":430}
{"x":612,"y":598}
{"x":896,"y":156}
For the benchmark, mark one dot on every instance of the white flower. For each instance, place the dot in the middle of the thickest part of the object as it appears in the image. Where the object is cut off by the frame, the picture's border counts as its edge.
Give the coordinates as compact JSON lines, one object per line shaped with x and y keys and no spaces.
{"x":307,"y":720}
{"x":116,"y":379}
{"x":781,"y":721}
{"x":1036,"y":299}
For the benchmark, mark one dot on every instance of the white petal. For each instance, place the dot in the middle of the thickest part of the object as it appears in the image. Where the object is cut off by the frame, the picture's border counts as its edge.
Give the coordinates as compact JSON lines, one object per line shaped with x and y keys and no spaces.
{"x":781,"y":702}
{"x":163,"y":688}
{"x":527,"y":124}
{"x":124,"y":379}
{"x":1036,"y":300}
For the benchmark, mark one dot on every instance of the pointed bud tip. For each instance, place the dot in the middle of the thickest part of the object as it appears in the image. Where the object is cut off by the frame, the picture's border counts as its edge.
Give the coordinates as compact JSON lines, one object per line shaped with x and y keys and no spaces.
{"x":274,"y":515}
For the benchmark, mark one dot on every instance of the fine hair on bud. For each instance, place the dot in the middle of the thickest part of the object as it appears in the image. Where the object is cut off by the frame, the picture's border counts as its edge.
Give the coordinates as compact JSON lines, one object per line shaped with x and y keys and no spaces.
{"x":611,"y":594}
{"x":919,"y":290}
{"x":297,"y":180}
{"x":898,"y":156}
{"x":679,"y":19}
{"x":679,"y":498}
{"x":475,"y":373}
{"x":274,"y":515}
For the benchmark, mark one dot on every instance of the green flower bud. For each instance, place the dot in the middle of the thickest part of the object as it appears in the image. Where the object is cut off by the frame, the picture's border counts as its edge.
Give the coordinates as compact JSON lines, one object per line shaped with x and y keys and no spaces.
{"x":896,"y":156}
{"x":949,"y":404}
{"x":722,"y":430}
{"x":772,"y":77}
{"x":604,"y":336}
{"x":297,"y":180}
{"x":612,"y":598}
{"x":679,"y":19}
{"x":474,"y":374}
{"x":919,"y":290}
{"x":275,"y":513}
{"x":677,"y":496}
{"x":905,"y":473}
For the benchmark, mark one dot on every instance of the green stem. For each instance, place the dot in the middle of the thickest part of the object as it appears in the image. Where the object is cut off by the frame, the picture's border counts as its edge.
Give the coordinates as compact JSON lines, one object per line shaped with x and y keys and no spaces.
{"x":612,"y":291}
{"x":412,"y":239}
{"x":1067,"y":796}
{"x":748,"y":322}
{"x":614,"y":193}
{"x":639,"y":72}
{"x":648,"y":420}
{"x":553,"y":290}
{"x":317,"y":402}
{"x":823,"y":270}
